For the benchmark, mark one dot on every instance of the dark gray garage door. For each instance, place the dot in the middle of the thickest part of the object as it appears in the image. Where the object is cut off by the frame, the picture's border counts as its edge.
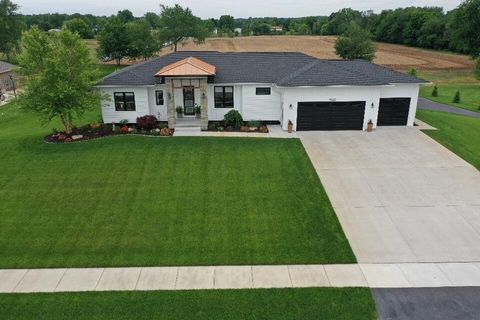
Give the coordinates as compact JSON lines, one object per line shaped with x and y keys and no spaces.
{"x":330,"y":115}
{"x":393,"y":112}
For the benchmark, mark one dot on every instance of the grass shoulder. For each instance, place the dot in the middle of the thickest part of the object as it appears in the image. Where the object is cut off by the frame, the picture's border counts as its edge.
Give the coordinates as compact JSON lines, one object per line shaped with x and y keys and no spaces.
{"x":458,"y":133}
{"x":448,"y":82}
{"x":312,"y":303}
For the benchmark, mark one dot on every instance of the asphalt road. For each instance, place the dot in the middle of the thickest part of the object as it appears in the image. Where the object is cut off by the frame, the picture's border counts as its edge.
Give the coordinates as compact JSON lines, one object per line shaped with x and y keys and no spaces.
{"x":462,"y":303}
{"x":431,"y":105}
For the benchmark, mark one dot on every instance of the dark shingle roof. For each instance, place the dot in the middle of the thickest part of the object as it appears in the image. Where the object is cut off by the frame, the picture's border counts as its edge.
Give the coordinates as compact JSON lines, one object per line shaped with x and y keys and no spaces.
{"x":6,"y":67}
{"x":287,"y":69}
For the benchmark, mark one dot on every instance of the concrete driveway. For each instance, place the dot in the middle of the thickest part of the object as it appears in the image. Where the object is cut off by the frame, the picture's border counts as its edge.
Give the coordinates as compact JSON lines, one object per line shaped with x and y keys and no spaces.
{"x":399,"y":195}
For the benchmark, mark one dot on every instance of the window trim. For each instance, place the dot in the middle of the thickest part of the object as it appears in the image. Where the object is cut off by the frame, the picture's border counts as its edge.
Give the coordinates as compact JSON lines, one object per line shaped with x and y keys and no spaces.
{"x":263,"y":88}
{"x":124,"y":101}
{"x":222,"y":106}
{"x":157,"y":100}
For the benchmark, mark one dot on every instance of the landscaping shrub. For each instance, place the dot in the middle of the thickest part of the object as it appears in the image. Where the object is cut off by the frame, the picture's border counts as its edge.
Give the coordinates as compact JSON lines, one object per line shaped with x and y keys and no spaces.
{"x":146,"y":122}
{"x":233,"y":118}
{"x":435,"y":91}
{"x":456,"y":98}
{"x":413,"y":72}
{"x":254,"y":124}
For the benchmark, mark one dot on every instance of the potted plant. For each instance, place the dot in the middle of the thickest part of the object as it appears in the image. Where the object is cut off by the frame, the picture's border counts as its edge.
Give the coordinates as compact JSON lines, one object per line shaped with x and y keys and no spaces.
{"x":290,"y":126}
{"x":370,"y":126}
{"x":198,"y":111}
{"x":179,"y":110}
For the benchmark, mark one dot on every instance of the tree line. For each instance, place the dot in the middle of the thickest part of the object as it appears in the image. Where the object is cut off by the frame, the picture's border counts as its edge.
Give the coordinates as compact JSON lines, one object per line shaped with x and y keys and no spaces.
{"x":426,"y":27}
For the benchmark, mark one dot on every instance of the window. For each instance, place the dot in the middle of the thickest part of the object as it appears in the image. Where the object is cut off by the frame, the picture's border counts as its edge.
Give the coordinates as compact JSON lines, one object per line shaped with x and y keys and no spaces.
{"x":223,"y":97}
{"x":263,"y":91}
{"x":124,"y":101}
{"x":159,"y":97}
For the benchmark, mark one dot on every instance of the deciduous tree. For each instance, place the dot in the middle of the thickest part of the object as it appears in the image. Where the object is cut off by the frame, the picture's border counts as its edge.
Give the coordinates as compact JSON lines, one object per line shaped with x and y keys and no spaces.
{"x":11,"y":26}
{"x":112,"y":40}
{"x":79,"y":26}
{"x":60,"y":75}
{"x":177,"y":24}
{"x":355,"y":43}
{"x":141,"y":41}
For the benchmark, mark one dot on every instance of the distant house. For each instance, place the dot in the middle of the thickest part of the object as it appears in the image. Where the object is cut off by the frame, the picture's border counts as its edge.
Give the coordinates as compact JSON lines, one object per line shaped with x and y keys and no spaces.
{"x":280,"y":87}
{"x":54,"y":30}
{"x":7,"y":77}
{"x":238,"y":30}
{"x":276,"y":29}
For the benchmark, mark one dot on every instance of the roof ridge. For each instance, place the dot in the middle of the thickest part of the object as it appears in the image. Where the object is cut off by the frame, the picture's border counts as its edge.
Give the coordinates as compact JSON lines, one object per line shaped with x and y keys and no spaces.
{"x":299,"y":71}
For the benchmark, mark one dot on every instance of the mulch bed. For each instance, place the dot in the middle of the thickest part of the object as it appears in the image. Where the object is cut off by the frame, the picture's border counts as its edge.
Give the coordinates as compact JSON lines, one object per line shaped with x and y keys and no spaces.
{"x":96,"y":131}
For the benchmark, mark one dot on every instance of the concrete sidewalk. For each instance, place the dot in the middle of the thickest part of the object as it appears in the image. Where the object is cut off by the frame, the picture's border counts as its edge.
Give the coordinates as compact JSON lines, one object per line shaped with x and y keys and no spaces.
{"x":406,"y":275}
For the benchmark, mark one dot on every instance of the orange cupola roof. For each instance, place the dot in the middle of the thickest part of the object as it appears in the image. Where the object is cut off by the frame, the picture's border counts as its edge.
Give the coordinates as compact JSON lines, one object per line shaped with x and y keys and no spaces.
{"x":190,"y":66}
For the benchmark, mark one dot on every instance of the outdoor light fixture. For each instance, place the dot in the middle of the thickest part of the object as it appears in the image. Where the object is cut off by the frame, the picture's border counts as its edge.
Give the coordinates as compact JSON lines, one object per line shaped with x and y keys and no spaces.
{"x":373,"y":105}
{"x":203,"y":95}
{"x":291,"y":107}
{"x":169,"y":95}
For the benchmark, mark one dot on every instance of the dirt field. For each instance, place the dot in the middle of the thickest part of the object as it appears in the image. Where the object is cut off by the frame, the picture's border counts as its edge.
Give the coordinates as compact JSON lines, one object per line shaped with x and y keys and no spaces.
{"x":394,"y":56}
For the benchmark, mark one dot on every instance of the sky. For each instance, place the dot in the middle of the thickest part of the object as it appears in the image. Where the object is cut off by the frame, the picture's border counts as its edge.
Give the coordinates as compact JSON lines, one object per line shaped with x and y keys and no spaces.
{"x":216,"y":8}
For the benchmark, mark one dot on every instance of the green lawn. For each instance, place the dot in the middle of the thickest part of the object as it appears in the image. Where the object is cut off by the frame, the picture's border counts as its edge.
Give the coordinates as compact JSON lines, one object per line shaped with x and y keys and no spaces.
{"x":277,"y":304}
{"x":139,"y":201}
{"x":458,"y":133}
{"x":448,"y":82}
{"x":106,"y":69}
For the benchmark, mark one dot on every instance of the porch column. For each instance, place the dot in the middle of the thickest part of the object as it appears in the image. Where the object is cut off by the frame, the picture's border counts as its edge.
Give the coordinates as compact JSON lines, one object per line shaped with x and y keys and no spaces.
{"x":170,"y":103}
{"x":204,"y":104}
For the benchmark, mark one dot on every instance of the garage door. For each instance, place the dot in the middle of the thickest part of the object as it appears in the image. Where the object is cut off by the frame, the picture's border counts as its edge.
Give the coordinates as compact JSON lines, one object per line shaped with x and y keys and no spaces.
{"x":330,"y":115}
{"x":393,"y":112}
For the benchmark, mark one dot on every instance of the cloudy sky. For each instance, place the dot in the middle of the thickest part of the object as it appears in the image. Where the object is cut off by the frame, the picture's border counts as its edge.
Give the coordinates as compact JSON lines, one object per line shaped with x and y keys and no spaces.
{"x":215,"y":8}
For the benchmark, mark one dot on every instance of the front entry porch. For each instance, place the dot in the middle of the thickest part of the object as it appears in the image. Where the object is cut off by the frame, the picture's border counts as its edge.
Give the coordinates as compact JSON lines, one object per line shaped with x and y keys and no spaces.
{"x":186,"y":87}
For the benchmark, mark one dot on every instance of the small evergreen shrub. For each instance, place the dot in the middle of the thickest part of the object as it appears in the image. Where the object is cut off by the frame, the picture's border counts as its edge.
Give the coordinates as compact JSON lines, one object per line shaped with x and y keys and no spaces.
{"x":435,"y":91}
{"x":456,"y":98}
{"x":147,"y":122}
{"x":413,"y":72}
{"x":233,"y":118}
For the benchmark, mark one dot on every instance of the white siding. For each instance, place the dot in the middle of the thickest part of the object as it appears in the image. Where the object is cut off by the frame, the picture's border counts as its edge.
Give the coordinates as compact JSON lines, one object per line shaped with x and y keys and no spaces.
{"x":141,"y":103}
{"x":217,"y":114}
{"x":158,"y":111}
{"x":261,"y":107}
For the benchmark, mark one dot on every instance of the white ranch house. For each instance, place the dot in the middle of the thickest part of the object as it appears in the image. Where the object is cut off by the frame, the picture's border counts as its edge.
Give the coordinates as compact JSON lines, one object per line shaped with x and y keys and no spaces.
{"x":277,"y":87}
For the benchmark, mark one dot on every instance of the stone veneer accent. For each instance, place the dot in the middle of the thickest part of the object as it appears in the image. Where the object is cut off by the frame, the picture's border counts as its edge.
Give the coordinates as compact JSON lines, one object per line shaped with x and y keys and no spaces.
{"x":204,"y":104}
{"x":170,"y":103}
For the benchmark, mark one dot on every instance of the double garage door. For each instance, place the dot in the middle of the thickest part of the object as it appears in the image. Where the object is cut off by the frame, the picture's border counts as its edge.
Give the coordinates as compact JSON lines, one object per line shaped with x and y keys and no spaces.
{"x":330,"y":115}
{"x":349,"y":115}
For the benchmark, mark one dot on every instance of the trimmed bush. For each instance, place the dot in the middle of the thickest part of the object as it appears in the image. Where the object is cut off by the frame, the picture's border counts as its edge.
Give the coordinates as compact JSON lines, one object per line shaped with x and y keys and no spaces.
{"x":456,"y":98}
{"x":435,"y":91}
{"x":147,"y":122}
{"x":233,"y":118}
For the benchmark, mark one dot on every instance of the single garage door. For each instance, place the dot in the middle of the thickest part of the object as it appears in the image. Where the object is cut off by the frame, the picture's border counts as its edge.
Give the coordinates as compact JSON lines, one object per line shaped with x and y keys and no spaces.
{"x":330,"y":115}
{"x":393,"y":112}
